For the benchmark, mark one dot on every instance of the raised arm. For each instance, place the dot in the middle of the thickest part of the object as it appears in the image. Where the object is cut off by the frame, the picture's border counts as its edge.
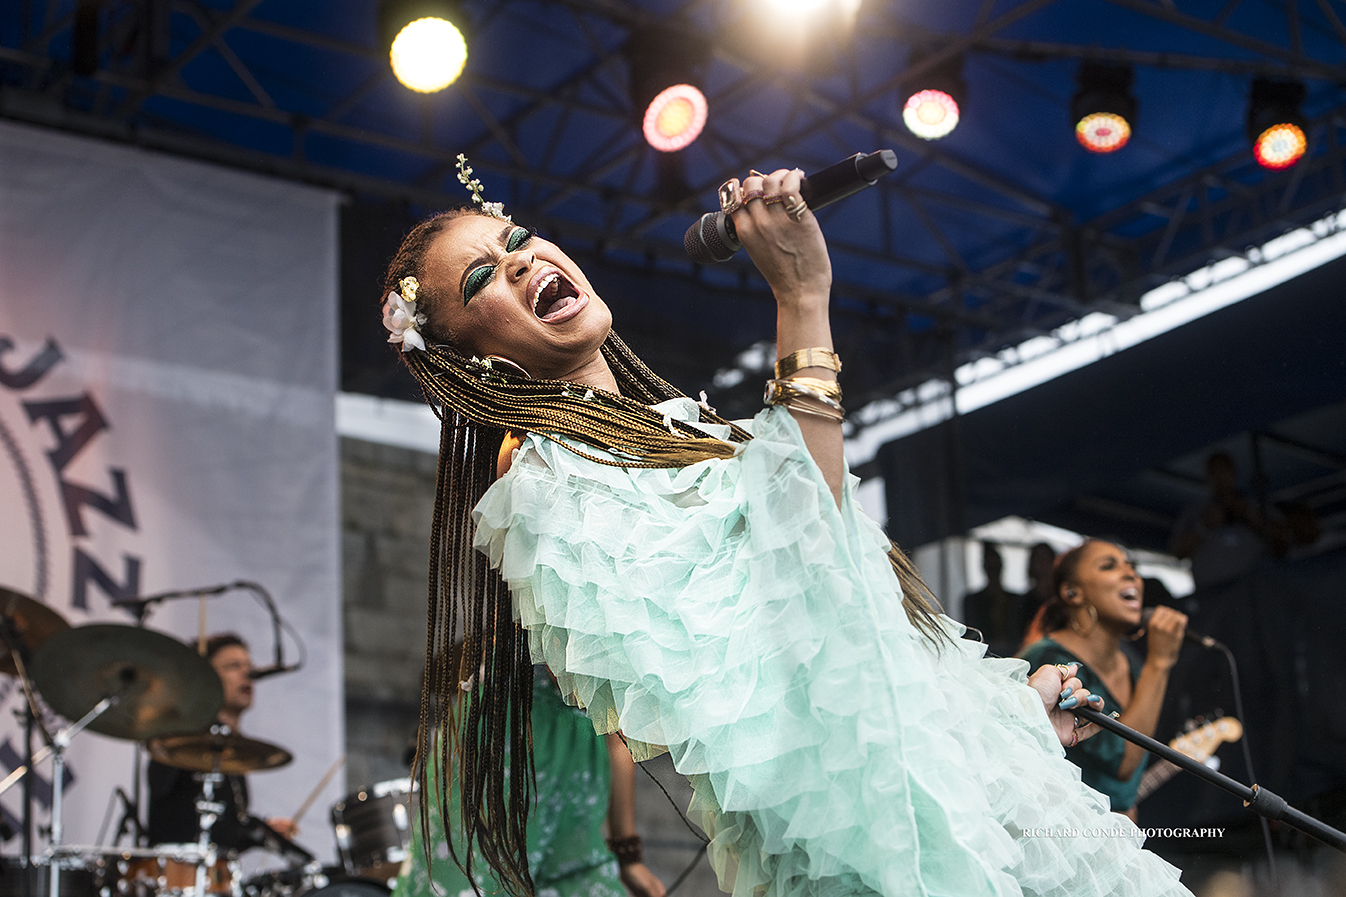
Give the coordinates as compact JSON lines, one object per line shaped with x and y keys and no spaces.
{"x":792,"y":256}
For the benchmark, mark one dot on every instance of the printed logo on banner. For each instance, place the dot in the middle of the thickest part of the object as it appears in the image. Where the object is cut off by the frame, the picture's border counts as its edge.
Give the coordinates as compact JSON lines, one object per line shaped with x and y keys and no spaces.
{"x":51,"y":554}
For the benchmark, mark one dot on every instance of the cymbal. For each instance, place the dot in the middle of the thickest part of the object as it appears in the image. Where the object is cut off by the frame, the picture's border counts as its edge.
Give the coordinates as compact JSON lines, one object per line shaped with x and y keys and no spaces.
{"x":221,"y":750}
{"x":33,"y":622}
{"x":164,"y":686}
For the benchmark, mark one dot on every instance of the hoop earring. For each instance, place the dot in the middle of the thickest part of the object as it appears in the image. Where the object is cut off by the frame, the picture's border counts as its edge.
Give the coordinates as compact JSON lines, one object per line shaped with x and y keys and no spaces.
{"x":518,"y":367}
{"x":1093,"y":622}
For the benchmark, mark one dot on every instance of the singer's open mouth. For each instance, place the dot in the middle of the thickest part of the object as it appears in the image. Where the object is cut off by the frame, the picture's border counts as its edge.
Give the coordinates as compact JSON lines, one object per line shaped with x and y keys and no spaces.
{"x":553,"y":295}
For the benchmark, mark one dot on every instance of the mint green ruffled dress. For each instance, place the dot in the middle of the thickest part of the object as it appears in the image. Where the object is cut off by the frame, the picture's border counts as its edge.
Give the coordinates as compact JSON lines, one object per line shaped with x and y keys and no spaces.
{"x":732,"y":613}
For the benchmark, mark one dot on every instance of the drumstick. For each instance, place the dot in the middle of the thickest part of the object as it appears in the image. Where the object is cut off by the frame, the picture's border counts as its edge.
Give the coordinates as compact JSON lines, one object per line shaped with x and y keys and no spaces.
{"x":201,"y":625}
{"x":308,"y":802}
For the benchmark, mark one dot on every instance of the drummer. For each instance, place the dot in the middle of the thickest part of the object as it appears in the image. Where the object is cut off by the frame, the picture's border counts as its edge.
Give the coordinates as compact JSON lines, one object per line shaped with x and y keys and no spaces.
{"x":173,"y":816}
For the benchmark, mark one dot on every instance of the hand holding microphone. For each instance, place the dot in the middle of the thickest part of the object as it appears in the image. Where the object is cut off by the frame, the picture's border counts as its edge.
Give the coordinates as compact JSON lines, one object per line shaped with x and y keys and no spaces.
{"x":1174,"y":623}
{"x":713,"y":237}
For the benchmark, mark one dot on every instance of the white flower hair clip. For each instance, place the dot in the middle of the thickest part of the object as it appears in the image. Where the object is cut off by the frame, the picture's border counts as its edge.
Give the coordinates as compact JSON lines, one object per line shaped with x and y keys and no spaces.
{"x":494,"y":209}
{"x":401,"y":318}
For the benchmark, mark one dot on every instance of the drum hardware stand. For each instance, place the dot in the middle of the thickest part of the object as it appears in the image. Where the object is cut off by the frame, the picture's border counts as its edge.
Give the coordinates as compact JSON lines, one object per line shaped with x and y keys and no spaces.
{"x":130,"y":821}
{"x":59,"y":743}
{"x":31,"y":720}
{"x":209,"y":809}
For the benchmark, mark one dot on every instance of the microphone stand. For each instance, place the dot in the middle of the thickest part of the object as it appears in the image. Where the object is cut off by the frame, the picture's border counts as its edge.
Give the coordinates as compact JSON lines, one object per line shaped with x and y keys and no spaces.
{"x":1260,"y":800}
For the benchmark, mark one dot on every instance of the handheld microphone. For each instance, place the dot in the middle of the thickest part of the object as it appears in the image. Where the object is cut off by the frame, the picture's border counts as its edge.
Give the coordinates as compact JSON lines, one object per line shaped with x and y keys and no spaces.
{"x":274,"y":670}
{"x":1195,"y":638}
{"x":712,"y":237}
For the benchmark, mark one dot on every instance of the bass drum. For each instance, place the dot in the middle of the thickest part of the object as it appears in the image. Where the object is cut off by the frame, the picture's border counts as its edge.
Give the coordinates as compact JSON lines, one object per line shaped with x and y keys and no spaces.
{"x":330,"y":882}
{"x":350,"y":887}
{"x":19,"y":879}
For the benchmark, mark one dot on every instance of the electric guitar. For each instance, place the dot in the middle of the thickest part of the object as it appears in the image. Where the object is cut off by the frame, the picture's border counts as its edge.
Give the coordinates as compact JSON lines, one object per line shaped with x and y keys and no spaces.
{"x":1200,"y":744}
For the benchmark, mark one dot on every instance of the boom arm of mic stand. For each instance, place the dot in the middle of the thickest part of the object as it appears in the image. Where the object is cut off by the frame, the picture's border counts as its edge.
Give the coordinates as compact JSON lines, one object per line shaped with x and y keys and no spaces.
{"x":1258,"y":799}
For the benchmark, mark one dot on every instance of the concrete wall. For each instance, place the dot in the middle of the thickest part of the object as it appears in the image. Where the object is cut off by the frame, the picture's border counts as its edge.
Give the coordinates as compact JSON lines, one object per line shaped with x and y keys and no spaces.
{"x":387,"y":495}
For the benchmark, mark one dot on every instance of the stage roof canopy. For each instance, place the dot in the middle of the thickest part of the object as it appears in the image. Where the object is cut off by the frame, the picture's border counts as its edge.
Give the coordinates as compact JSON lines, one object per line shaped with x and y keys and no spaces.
{"x":1004,"y":230}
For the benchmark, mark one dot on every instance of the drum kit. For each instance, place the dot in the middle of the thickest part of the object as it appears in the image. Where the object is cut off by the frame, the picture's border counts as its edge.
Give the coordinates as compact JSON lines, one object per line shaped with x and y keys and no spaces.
{"x":136,"y":684}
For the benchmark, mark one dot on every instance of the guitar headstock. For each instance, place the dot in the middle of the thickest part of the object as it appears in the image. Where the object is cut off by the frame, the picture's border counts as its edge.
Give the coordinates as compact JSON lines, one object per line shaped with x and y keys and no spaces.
{"x":1202,"y":742}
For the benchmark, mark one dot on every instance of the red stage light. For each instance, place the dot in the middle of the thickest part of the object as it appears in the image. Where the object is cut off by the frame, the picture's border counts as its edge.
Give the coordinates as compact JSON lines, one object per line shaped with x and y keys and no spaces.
{"x":1280,"y":146}
{"x":930,"y":114}
{"x":1103,"y":132}
{"x":675,"y":118}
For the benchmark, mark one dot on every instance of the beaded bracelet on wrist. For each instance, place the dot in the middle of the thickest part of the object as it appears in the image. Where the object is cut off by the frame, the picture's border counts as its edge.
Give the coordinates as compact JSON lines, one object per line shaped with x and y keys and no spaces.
{"x":628,"y":851}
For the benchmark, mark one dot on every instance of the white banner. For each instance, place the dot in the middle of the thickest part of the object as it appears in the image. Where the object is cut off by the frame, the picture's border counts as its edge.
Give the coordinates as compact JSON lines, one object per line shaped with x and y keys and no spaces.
{"x":167,"y":385}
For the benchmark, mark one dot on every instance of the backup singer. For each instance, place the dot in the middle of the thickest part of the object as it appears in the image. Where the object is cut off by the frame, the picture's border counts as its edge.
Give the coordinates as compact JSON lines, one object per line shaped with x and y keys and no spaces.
{"x":1097,"y":598}
{"x":714,"y":590}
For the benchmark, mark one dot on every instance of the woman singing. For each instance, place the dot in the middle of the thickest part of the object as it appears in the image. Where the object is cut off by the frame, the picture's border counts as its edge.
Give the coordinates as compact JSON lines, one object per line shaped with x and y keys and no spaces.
{"x":713,"y":590}
{"x":1096,"y":599}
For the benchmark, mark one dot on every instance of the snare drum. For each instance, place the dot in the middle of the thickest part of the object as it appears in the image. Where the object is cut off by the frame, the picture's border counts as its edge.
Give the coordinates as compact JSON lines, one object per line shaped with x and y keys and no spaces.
{"x":373,"y":829}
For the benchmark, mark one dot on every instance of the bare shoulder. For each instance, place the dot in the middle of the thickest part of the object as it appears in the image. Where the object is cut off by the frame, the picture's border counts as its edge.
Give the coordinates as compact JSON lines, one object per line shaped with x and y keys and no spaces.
{"x":505,"y":458}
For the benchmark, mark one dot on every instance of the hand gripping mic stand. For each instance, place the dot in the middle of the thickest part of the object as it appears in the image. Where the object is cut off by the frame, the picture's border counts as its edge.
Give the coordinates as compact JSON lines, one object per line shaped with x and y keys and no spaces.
{"x":1260,"y":800}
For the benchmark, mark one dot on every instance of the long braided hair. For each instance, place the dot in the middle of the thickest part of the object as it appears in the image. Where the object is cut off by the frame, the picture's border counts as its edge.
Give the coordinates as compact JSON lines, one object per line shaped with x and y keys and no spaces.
{"x":484,"y":736}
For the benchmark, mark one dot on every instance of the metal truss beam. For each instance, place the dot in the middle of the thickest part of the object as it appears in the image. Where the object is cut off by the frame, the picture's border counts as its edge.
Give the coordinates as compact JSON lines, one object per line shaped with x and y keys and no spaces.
{"x":1062,"y":269}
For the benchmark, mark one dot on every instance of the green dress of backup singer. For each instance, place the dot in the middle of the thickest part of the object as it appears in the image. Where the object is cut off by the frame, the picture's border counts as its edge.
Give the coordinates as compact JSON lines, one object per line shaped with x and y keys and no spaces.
{"x":567,"y":855}
{"x":1100,"y":757}
{"x":731,"y":612}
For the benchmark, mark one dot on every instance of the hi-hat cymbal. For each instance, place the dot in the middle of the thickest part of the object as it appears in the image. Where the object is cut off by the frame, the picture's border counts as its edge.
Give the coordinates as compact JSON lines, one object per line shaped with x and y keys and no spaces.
{"x":164,"y":687}
{"x":218,"y":751}
{"x":33,"y":623}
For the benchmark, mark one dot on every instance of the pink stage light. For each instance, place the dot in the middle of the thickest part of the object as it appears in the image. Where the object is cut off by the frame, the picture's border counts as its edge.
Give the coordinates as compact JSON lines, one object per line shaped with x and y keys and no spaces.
{"x":675,"y":118}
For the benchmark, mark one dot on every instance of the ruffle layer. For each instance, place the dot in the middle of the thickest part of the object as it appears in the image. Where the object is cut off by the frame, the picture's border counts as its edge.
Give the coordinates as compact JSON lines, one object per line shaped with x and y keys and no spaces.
{"x":731,"y":612}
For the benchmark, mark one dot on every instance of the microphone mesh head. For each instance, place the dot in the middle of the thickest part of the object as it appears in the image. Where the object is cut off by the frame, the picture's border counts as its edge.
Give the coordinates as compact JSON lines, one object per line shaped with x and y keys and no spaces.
{"x":703,"y":242}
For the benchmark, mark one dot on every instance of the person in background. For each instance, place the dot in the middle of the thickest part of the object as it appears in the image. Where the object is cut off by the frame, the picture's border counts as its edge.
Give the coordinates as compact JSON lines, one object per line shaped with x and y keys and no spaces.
{"x":1097,"y":601}
{"x":996,"y":613}
{"x":1041,"y":561}
{"x":173,"y":817}
{"x":583,"y":780}
{"x":1225,"y":535}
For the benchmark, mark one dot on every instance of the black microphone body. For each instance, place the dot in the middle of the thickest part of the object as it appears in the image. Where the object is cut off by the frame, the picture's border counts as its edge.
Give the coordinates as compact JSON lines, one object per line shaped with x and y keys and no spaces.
{"x":273,"y":670}
{"x":712,"y":237}
{"x":1188,"y":635}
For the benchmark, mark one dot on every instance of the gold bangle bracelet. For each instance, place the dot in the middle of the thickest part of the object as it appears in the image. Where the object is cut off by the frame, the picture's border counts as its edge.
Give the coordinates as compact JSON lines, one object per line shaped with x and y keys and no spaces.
{"x":829,"y":388}
{"x":796,"y":405}
{"x":816,"y":357}
{"x":779,"y":392}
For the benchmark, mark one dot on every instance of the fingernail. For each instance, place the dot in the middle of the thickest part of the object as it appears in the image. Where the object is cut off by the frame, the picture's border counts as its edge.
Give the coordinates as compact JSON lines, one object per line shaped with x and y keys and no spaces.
{"x":1095,"y":699}
{"x":1068,"y":703}
{"x":1065,"y":692}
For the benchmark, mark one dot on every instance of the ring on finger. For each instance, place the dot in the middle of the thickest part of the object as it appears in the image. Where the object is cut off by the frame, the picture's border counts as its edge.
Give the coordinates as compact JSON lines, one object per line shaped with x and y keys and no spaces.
{"x":731,"y":196}
{"x":1065,"y":670}
{"x":795,"y":207}
{"x":755,"y":194}
{"x":1074,"y":738}
{"x":1080,"y":723}
{"x":755,"y":173}
{"x":769,"y":198}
